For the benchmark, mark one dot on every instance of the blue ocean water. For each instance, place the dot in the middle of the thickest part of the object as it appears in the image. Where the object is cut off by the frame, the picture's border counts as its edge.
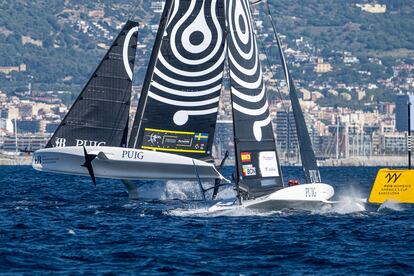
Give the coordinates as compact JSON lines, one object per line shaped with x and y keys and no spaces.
{"x":63,"y":224}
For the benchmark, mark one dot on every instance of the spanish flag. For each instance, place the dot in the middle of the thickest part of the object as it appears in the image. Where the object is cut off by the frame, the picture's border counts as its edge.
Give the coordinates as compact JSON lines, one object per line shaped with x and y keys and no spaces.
{"x":245,"y":157}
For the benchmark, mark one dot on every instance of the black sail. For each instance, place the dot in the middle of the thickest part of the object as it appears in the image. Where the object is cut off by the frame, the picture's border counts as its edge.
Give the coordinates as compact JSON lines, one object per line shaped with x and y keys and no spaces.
{"x":181,"y":92}
{"x":307,"y":155}
{"x":258,"y":169}
{"x":99,"y":116}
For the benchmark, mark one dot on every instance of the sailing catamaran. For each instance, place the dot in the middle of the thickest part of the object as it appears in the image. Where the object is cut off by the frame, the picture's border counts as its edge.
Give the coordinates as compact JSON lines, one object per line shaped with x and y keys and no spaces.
{"x":92,"y":138}
{"x":173,"y":130}
{"x":259,"y":180}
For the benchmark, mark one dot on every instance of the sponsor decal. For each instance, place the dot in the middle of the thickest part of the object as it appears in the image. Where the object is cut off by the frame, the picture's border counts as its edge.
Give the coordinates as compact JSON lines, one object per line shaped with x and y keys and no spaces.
{"x":310,"y":192}
{"x":393,"y":177}
{"x":88,"y":143}
{"x":154,"y":138}
{"x":246,"y":157}
{"x":201,"y":136}
{"x":37,"y":160}
{"x":184,"y":142}
{"x":60,"y":142}
{"x":268,"y":164}
{"x":249,"y":170}
{"x":170,"y":139}
{"x":175,"y":141}
{"x":131,"y":154}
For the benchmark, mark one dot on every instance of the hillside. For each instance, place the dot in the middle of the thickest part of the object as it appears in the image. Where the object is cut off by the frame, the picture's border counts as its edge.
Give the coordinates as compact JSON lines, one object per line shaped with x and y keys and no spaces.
{"x":342,"y":25}
{"x":61,"y":41}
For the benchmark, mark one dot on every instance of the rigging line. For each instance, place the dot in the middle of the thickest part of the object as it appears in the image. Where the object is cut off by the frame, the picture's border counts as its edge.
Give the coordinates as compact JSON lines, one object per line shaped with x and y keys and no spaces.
{"x":226,"y":71}
{"x":165,"y":18}
{"x":285,"y":109}
{"x":252,"y":3}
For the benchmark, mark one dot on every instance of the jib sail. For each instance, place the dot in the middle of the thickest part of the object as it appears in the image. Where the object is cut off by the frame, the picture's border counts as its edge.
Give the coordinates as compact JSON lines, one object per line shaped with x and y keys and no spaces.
{"x":258,"y":170}
{"x":307,"y":155}
{"x":99,"y":116}
{"x":180,"y":97}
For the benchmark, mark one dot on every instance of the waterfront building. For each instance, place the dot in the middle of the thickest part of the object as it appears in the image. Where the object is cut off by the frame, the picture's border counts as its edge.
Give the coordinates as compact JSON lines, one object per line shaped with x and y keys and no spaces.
{"x":223,"y":139}
{"x":401,"y":111}
{"x":394,"y":143}
{"x":286,"y":136}
{"x":25,"y":142}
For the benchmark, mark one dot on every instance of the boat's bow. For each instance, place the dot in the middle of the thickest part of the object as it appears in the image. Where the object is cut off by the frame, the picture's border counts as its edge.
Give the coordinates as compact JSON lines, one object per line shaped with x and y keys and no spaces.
{"x":303,"y":196}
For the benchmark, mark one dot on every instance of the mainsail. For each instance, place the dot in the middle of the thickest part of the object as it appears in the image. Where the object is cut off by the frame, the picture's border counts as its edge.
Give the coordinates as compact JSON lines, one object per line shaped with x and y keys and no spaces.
{"x":99,"y":116}
{"x":179,"y":100}
{"x":307,"y":155}
{"x":258,"y":169}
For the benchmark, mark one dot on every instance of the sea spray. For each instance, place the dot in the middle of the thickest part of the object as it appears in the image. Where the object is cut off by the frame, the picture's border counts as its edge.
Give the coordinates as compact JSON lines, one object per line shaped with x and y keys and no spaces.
{"x":182,"y":190}
{"x":172,"y":189}
{"x":391,"y":205}
{"x":349,"y":200}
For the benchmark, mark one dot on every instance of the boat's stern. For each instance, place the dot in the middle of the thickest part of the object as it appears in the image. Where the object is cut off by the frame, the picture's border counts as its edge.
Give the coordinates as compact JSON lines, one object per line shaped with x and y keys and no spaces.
{"x":59,"y":160}
{"x":37,"y":161}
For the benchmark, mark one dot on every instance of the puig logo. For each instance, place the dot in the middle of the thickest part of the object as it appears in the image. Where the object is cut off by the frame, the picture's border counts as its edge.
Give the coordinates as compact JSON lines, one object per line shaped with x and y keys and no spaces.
{"x":80,"y":143}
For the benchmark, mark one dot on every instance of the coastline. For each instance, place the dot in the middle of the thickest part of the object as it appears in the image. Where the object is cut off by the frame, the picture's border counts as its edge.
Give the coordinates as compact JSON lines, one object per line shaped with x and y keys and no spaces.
{"x":7,"y":160}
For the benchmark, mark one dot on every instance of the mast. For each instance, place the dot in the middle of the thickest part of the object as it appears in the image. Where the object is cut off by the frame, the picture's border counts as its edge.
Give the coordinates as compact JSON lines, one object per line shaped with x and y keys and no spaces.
{"x":149,"y":74}
{"x":257,"y":163}
{"x":337,"y":138}
{"x":235,"y":139}
{"x":409,"y":134}
{"x":15,"y":135}
{"x":309,"y":164}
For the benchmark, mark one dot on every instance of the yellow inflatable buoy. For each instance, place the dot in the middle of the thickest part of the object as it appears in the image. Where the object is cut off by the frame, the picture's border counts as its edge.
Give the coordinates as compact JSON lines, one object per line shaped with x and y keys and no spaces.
{"x":393,"y":185}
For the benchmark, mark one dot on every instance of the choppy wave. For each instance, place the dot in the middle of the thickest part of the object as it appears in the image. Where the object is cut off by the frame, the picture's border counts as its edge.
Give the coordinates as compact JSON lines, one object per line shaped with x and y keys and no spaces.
{"x":63,"y":224}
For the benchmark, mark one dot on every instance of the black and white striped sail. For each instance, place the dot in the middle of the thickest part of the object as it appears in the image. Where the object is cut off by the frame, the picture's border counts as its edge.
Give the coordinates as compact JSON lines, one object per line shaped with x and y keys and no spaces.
{"x":99,"y":116}
{"x":307,"y":155}
{"x":180,"y":96}
{"x":257,"y":162}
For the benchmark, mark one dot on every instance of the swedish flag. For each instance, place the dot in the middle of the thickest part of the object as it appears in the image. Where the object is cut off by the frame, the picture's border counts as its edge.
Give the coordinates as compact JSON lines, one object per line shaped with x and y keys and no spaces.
{"x":201,"y":136}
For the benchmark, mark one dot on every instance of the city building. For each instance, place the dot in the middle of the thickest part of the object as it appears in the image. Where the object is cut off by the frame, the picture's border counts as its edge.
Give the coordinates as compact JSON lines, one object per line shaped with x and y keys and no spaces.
{"x":10,"y":69}
{"x":223,"y":139}
{"x":157,"y":6}
{"x":322,"y":67}
{"x":372,"y":8}
{"x":401,"y":111}
{"x":25,"y":143}
{"x":287,"y":140}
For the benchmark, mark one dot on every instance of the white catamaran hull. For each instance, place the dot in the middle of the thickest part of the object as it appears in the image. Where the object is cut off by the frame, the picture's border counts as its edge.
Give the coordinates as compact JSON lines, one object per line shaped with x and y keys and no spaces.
{"x":300,"y":197}
{"x":123,"y":163}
